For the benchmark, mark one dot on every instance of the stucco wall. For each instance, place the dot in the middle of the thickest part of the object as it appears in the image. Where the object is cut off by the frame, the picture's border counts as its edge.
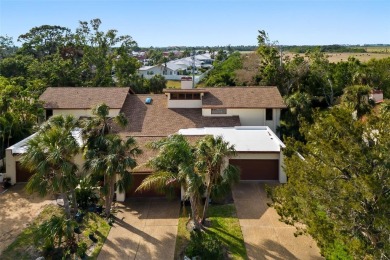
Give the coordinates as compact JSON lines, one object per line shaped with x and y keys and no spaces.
{"x":10,"y":164}
{"x":82,"y":112}
{"x":184,"y":103}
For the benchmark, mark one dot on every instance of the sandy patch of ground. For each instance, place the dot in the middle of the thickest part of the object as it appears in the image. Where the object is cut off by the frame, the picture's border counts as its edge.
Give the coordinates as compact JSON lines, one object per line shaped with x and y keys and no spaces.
{"x":17,"y":210}
{"x":337,"y":57}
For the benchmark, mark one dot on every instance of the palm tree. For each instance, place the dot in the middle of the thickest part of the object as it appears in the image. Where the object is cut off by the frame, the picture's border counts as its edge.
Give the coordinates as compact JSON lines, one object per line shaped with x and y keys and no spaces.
{"x":50,"y":156}
{"x":106,"y":154}
{"x":112,"y":157}
{"x":218,"y":176}
{"x":174,"y":165}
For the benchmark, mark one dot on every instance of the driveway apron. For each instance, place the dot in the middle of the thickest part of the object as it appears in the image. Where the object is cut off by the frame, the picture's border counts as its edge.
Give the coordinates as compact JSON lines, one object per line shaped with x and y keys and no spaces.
{"x":143,"y":229}
{"x":265,"y":236}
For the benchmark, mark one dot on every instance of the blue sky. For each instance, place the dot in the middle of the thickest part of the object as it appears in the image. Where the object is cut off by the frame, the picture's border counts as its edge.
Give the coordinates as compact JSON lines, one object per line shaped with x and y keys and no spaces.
{"x":212,"y":22}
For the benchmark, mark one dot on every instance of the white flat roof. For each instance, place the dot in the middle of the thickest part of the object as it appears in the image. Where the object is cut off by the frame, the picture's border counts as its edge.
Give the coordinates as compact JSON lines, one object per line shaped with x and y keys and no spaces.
{"x":21,"y":147}
{"x":244,"y":138}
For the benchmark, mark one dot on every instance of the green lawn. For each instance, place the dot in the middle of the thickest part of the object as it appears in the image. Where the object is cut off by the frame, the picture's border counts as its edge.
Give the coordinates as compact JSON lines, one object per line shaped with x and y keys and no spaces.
{"x":173,"y":84}
{"x":224,"y":226}
{"x":24,"y":248}
{"x":177,"y":84}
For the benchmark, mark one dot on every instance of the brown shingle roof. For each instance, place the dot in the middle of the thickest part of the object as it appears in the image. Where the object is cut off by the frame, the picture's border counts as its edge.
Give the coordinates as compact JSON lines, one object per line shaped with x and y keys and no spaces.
{"x":157,"y":119}
{"x":84,"y":97}
{"x":148,"y":153}
{"x":243,"y":97}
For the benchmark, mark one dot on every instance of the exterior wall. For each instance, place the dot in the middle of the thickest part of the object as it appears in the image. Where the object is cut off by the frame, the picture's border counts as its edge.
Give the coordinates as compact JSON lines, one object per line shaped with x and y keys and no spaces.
{"x":282,"y":174}
{"x":250,"y":117}
{"x":10,"y":164}
{"x":266,"y":156}
{"x":12,"y":159}
{"x":82,"y":112}
{"x":273,"y":124}
{"x":152,"y":71}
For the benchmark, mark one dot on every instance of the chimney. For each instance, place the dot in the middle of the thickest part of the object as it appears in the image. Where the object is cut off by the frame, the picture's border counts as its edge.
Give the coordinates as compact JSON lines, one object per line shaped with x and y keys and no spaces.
{"x":186,"y":82}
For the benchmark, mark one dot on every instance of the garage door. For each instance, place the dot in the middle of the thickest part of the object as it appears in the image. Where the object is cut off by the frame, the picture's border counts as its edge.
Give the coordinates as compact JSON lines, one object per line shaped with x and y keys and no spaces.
{"x":257,"y":169}
{"x":137,"y":180}
{"x":22,"y":174}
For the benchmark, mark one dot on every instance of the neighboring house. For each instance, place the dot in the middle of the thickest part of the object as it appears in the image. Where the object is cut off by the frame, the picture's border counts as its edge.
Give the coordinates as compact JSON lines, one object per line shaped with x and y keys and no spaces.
{"x":174,"y":68}
{"x":376,"y":95}
{"x":245,"y":116}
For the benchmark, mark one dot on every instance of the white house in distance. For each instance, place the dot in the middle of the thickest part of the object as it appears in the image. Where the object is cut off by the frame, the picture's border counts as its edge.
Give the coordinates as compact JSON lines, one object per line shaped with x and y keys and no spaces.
{"x":245,"y":116}
{"x":173,"y":70}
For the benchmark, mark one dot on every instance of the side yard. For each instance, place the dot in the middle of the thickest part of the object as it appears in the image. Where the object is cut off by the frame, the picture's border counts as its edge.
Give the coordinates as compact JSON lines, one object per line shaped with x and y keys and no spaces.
{"x":18,"y":210}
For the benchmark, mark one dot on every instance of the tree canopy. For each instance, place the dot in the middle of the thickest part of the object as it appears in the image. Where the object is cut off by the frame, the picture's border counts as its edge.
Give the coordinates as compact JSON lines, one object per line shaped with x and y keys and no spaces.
{"x":339,"y":184}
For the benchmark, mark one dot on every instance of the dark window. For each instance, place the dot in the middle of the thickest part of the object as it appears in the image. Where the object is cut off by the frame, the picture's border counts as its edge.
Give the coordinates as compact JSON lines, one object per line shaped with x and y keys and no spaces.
{"x":268,"y":114}
{"x":49,"y":113}
{"x":218,"y":111}
{"x":188,"y":96}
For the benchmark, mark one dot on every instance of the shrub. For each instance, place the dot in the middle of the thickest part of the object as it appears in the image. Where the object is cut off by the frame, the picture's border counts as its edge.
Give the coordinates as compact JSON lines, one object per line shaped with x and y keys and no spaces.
{"x":204,"y":246}
{"x":85,"y":193}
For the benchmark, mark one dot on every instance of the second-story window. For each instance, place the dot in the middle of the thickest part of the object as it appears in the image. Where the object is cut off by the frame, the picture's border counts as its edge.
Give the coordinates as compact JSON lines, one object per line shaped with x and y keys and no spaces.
{"x":218,"y":111}
{"x":268,"y":114}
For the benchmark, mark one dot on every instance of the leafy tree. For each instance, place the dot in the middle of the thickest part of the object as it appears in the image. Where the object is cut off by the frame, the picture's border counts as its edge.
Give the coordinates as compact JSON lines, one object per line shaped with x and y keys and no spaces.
{"x":157,"y":83}
{"x":211,"y":154}
{"x":338,"y":186}
{"x":44,"y":40}
{"x":220,"y":57}
{"x":174,"y":167}
{"x":376,"y":74}
{"x":15,"y":66}
{"x":270,"y":67}
{"x":19,"y":111}
{"x":296,"y":72}
{"x":99,"y":57}
{"x":7,"y":47}
{"x":223,"y":73}
{"x":49,"y":156}
{"x":56,"y":71}
{"x":356,"y":98}
{"x":299,"y":107}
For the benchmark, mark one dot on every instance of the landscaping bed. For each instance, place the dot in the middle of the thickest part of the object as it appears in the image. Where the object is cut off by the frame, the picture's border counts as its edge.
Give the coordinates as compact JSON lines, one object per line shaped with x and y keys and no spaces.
{"x":222,"y":225}
{"x":27,"y":246}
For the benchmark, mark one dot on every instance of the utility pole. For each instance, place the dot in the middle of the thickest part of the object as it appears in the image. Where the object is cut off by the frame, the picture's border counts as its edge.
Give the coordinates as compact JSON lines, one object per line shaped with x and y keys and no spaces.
{"x":193,"y":68}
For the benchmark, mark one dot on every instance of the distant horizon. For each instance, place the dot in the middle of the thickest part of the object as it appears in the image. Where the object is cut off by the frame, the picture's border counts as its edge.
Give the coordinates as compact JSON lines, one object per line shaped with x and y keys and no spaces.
{"x":212,"y":22}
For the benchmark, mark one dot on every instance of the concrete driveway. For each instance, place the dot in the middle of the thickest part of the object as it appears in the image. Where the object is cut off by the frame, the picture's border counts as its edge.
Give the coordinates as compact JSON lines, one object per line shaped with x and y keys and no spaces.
{"x":144,"y":229}
{"x":265,"y":236}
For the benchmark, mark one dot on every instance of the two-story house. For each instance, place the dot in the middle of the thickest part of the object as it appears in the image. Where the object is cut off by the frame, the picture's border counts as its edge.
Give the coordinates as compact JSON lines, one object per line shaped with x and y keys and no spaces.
{"x":247,"y":117}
